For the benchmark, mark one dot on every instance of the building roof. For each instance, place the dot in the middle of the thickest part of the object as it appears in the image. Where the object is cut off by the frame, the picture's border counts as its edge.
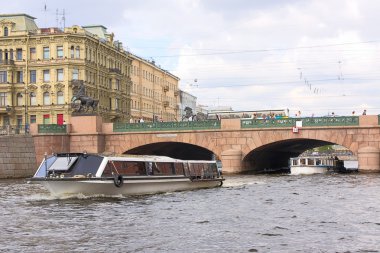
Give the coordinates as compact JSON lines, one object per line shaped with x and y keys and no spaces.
{"x":23,"y":22}
{"x":153,"y":64}
{"x":98,"y":30}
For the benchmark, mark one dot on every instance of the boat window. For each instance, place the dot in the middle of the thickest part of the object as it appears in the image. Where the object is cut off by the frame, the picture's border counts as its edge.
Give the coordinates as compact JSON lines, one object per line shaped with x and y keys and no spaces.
{"x":203,"y":170}
{"x":86,"y":164}
{"x":163,"y":169}
{"x":294,"y":162}
{"x":41,"y":172}
{"x":310,"y":161}
{"x":179,"y":169}
{"x":62,"y":164}
{"x":302,"y":161}
{"x":130,"y":168}
{"x":318,"y":162}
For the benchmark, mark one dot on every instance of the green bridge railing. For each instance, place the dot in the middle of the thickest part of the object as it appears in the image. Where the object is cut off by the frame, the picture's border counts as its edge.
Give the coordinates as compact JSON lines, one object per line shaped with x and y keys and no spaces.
{"x":306,"y":122}
{"x":52,"y":129}
{"x":166,"y":126}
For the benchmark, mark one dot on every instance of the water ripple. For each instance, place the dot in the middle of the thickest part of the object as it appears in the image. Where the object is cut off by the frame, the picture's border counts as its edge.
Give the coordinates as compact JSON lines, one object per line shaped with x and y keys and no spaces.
{"x":250,"y":213}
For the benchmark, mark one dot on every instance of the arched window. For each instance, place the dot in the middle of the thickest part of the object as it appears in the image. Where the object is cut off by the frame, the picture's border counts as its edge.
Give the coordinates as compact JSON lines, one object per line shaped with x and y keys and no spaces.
{"x":72,"y":52}
{"x":60,"y":98}
{"x":5,"y":31}
{"x":33,"y":98}
{"x":77,"y":52}
{"x":46,"y":98}
{"x":20,"y":100}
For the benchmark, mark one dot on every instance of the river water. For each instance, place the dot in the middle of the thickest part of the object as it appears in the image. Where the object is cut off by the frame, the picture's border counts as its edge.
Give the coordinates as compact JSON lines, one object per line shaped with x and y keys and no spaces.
{"x":249,"y":213}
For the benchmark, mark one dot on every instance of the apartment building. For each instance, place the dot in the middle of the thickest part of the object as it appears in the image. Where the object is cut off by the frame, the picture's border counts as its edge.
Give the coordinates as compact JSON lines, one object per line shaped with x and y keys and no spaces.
{"x":154,"y":92}
{"x":41,"y":70}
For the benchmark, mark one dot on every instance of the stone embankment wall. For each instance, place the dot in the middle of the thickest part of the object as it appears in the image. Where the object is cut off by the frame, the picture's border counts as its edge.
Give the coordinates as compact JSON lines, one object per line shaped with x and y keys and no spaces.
{"x":17,"y":156}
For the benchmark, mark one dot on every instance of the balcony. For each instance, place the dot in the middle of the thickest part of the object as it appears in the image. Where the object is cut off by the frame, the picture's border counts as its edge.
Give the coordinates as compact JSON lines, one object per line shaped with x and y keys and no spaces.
{"x":6,"y":109}
{"x":114,"y":70}
{"x":176,"y":93}
{"x":166,"y":88}
{"x":166,"y":103}
{"x":7,"y":62}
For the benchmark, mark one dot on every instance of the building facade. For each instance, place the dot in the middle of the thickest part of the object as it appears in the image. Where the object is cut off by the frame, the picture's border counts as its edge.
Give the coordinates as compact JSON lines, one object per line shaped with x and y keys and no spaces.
{"x":154,"y":92}
{"x":42,"y":69}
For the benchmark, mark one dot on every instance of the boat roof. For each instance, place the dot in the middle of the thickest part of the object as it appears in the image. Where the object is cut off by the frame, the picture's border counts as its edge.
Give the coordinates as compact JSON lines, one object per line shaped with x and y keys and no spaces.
{"x":137,"y":158}
{"x":312,"y":157}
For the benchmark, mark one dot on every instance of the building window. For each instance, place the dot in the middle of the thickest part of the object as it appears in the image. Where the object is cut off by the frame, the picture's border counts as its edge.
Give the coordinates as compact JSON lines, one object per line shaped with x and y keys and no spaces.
{"x":59,"y":52}
{"x":46,"y":118}
{"x":59,"y":75}
{"x":46,"y":98}
{"x":3,"y":76}
{"x":3,"y":98}
{"x":46,"y":53}
{"x":5,"y":31}
{"x":33,"y":53}
{"x":20,"y":100}
{"x":117,"y":84}
{"x":117,"y":103}
{"x":33,"y":119}
{"x":46,"y":75}
{"x":33,"y":98}
{"x":33,"y":76}
{"x":60,"y":98}
{"x":11,"y":54}
{"x":19,"y":121}
{"x":72,"y":52}
{"x":20,"y":76}
{"x":19,"y":54}
{"x":75,"y":74}
{"x":77,"y":52}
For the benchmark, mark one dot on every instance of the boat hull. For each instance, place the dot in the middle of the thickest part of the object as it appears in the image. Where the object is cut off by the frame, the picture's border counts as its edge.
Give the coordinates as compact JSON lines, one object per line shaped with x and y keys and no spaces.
{"x":129,"y":187}
{"x":308,"y":170}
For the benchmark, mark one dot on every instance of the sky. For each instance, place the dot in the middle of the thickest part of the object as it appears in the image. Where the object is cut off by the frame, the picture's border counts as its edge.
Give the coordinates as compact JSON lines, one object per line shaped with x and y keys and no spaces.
{"x":312,"y":56}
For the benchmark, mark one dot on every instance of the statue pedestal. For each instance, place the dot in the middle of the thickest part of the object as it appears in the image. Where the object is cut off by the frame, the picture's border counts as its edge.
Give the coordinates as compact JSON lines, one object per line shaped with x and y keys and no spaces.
{"x":86,"y":124}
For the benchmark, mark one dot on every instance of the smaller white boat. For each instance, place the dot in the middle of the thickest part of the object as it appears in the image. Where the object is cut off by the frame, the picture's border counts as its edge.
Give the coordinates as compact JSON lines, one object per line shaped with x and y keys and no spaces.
{"x":95,"y":174}
{"x":307,"y":165}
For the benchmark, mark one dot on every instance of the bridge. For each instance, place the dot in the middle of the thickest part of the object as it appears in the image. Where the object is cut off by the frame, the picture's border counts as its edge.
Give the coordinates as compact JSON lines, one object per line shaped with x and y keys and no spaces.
{"x":241,"y":144}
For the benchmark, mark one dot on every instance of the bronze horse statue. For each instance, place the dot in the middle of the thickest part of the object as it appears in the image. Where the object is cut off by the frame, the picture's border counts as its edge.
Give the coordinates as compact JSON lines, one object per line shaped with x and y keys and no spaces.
{"x":85,"y":103}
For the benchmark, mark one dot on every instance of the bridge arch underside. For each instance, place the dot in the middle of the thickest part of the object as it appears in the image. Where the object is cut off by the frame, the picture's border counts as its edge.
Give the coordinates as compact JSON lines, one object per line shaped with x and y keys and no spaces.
{"x":176,"y":150}
{"x":275,"y":156}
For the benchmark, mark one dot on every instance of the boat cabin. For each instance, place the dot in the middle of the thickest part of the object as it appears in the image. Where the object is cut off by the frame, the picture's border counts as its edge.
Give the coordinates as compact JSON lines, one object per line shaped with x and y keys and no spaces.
{"x":90,"y":165}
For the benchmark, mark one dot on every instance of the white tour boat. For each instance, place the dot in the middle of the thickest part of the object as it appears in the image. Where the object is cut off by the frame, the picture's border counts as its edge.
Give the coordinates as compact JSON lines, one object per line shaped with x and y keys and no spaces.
{"x":314,"y":164}
{"x":92,"y":174}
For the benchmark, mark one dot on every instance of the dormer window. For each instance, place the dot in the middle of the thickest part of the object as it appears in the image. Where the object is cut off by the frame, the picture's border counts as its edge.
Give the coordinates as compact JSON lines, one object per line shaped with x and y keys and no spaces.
{"x":5,"y":31}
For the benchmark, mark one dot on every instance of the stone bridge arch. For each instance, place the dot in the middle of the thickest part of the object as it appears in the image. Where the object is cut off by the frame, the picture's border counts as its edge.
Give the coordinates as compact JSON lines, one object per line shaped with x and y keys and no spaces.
{"x":177,"y":150}
{"x":272,"y":149}
{"x":276,"y":155}
{"x":187,"y":145}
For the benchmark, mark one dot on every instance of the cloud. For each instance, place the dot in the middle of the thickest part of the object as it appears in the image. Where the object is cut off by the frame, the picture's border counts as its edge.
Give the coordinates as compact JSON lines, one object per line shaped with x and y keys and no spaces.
{"x":314,"y":56}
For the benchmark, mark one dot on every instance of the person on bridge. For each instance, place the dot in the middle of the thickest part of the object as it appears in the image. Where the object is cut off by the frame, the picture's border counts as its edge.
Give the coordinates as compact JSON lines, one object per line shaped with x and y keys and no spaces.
{"x":365,"y":112}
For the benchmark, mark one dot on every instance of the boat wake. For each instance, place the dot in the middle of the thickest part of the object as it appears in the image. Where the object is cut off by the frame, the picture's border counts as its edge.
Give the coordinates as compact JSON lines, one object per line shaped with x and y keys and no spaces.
{"x":44,"y":197}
